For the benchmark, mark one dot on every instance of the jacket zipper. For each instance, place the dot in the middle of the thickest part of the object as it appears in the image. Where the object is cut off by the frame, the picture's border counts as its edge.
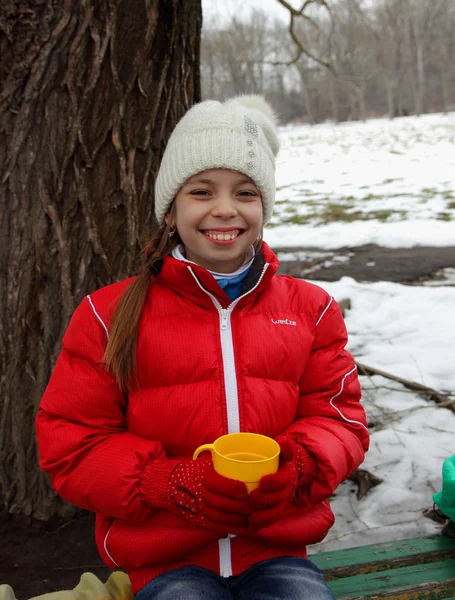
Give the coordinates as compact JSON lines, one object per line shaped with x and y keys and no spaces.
{"x":231,"y":393}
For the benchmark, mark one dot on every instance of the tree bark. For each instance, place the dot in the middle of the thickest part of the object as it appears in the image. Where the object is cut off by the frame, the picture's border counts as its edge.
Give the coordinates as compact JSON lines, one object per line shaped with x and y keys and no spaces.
{"x":90,"y":92}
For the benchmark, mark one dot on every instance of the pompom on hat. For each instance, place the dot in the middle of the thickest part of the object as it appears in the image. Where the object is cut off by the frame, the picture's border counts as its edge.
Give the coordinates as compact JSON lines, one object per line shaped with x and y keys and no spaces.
{"x":239,"y":134}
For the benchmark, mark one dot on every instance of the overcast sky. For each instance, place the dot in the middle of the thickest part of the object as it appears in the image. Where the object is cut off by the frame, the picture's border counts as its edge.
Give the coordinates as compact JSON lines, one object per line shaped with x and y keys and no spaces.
{"x":224,"y":8}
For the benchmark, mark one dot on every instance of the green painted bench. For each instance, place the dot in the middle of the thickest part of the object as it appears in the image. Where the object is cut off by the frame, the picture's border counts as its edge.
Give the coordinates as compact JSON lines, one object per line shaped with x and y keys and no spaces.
{"x":414,"y":569}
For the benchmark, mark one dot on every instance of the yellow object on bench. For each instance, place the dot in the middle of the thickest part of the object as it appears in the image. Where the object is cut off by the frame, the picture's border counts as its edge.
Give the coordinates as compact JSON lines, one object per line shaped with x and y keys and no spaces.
{"x":117,"y":587}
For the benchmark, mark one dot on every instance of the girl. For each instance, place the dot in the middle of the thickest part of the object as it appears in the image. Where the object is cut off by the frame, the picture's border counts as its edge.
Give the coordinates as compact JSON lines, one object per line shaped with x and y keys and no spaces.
{"x":206,"y":340}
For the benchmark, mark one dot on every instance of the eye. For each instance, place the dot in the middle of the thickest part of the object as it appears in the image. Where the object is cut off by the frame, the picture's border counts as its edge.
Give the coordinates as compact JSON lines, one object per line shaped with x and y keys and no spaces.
{"x":247,"y":194}
{"x":200,"y":193}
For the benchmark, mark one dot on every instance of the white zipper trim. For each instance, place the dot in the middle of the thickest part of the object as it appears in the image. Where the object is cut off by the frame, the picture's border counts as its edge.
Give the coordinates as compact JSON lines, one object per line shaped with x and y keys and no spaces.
{"x":97,"y":316}
{"x":231,"y":392}
{"x":324,"y":311}
{"x":224,"y":547}
{"x":227,"y":350}
{"x":105,"y":545}
{"x":340,"y":392}
{"x":230,"y":376}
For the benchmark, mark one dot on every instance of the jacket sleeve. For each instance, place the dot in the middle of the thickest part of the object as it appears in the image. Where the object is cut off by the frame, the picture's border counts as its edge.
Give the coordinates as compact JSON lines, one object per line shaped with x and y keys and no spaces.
{"x":331,"y":422}
{"x":84,"y":445}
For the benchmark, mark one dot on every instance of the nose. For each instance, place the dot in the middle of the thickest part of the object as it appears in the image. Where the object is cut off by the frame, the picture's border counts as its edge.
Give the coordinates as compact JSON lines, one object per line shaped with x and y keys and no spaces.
{"x":225,"y":206}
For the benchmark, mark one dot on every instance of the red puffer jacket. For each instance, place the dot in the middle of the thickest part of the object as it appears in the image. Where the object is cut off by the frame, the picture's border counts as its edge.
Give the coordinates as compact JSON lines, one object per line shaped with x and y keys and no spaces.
{"x":272,"y":361}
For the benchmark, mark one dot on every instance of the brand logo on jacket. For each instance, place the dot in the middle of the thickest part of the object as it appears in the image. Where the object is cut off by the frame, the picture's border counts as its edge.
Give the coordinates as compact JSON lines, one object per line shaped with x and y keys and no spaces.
{"x":283,"y":322}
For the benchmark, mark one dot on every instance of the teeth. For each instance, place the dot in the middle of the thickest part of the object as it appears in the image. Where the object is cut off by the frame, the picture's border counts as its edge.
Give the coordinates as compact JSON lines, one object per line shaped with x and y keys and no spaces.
{"x":223,"y":237}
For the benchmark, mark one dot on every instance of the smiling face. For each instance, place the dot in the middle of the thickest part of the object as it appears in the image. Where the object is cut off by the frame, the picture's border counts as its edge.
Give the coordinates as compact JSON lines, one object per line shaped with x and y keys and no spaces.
{"x":218,"y":215}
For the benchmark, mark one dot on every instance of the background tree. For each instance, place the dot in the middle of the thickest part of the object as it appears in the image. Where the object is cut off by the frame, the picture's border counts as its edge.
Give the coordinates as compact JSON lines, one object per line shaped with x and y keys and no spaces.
{"x":388,"y":30}
{"x":90,"y":92}
{"x":340,"y":60}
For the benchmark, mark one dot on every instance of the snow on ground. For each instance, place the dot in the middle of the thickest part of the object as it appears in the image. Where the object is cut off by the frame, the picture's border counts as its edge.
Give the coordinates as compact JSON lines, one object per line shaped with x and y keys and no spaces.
{"x":407,"y":331}
{"x":391,"y":183}
{"x":388,"y":182}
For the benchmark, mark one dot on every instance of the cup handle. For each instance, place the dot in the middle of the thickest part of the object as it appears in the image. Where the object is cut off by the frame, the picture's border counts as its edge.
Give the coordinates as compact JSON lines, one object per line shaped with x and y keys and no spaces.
{"x":202,"y":449}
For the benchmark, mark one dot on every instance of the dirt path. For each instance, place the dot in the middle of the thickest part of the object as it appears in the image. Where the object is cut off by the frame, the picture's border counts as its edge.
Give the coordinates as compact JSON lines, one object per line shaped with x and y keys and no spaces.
{"x":35,"y":562}
{"x":369,"y":263}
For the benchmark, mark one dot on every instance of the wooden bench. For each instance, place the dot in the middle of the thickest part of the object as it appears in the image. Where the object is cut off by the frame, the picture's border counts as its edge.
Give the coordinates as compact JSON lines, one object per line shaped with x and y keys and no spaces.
{"x":414,"y":569}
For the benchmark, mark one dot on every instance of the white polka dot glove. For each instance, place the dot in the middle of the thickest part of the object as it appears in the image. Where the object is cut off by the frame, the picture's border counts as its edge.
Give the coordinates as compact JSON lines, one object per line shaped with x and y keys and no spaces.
{"x":192,"y":489}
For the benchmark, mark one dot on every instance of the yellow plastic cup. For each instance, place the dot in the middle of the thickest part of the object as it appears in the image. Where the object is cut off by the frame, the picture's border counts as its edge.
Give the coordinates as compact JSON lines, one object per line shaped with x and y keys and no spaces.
{"x":243,"y":456}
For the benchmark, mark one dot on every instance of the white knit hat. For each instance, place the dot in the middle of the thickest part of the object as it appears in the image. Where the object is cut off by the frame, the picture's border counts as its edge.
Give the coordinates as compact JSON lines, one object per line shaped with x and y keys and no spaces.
{"x":239,"y":134}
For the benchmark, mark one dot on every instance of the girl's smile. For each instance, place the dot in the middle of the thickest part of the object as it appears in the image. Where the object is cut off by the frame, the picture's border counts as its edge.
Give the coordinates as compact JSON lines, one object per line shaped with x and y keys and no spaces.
{"x":223,"y":235}
{"x":218,"y":216}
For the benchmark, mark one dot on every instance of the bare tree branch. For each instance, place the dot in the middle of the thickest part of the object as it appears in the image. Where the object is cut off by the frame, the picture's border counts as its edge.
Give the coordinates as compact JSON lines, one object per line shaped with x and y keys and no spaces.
{"x":301,"y":48}
{"x":430,"y":393}
{"x":305,"y":5}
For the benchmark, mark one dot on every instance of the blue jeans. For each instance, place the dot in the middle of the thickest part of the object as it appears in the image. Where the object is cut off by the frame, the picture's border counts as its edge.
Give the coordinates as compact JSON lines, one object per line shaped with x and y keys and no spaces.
{"x":286,"y":578}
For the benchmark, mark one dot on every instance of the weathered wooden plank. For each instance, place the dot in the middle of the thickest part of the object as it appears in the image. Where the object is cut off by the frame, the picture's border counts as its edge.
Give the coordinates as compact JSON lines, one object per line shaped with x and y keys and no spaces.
{"x":368,"y":558}
{"x":432,"y":592}
{"x":418,"y":593}
{"x":387,"y":564}
{"x":435,"y":581}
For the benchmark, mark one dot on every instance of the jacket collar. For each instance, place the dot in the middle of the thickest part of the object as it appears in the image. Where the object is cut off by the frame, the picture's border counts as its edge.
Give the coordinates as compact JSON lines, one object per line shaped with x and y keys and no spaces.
{"x":191,"y":280}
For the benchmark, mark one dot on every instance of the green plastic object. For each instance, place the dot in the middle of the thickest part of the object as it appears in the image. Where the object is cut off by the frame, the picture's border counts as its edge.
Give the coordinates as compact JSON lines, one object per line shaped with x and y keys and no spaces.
{"x":445,"y":499}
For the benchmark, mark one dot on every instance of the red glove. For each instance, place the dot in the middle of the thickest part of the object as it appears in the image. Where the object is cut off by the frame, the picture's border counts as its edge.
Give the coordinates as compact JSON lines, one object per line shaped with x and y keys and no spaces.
{"x":275,"y":492}
{"x":193,"y":490}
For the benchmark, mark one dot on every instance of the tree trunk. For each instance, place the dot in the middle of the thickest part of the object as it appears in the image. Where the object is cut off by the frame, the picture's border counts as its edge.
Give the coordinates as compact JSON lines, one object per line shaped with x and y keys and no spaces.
{"x":334,"y":98}
{"x":90,"y":92}
{"x":390,"y":97}
{"x":420,"y":95}
{"x":353,"y":114}
{"x":360,"y":89}
{"x":306,"y":95}
{"x":445,"y":89}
